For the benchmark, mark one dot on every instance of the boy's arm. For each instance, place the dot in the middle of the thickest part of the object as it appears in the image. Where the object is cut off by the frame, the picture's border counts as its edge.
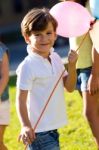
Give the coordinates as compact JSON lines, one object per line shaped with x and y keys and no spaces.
{"x":22,"y":108}
{"x":27,"y":134}
{"x":71,"y":78}
{"x":93,"y":82}
{"x":4,"y":73}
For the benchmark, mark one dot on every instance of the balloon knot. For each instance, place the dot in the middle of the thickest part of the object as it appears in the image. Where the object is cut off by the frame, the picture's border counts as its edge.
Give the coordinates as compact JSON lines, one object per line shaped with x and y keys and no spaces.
{"x":92,"y":23}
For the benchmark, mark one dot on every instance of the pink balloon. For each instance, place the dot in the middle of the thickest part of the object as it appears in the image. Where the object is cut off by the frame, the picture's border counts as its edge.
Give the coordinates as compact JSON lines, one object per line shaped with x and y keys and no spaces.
{"x":73,"y":19}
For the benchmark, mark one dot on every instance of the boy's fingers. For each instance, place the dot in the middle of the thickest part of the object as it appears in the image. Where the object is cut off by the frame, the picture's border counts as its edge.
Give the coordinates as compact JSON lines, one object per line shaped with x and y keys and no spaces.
{"x":19,"y":138}
{"x":24,"y":139}
{"x":29,"y":137}
{"x":28,"y":140}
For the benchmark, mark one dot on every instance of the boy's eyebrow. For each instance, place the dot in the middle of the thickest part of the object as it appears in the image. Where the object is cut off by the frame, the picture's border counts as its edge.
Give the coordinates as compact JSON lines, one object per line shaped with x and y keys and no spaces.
{"x":35,"y":32}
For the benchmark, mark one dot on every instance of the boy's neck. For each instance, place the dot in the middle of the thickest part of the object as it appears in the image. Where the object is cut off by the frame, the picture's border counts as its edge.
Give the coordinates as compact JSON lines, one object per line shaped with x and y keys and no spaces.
{"x":43,"y":54}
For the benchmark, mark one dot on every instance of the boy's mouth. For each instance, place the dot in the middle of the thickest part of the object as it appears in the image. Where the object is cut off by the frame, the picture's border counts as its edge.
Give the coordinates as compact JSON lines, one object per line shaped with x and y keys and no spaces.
{"x":45,"y":44}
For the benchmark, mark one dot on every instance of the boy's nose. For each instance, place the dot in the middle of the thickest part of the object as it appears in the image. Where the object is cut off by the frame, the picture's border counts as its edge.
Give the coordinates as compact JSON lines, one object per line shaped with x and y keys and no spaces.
{"x":44,"y":38}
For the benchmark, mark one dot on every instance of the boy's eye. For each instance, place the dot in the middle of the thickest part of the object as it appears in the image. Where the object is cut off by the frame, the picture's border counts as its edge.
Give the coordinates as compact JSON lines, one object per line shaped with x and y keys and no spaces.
{"x":49,"y":33}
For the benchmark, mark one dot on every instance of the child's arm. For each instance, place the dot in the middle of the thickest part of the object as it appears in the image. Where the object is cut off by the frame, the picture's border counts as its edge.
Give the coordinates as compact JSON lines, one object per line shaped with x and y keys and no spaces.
{"x":93,"y":82}
{"x":4,"y":70}
{"x":27,"y":135}
{"x":71,"y":78}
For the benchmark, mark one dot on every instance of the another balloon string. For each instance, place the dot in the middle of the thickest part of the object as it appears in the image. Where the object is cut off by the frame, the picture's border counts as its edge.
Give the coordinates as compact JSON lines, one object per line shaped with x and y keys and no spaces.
{"x":91,"y":26}
{"x":49,"y":98}
{"x":82,"y":40}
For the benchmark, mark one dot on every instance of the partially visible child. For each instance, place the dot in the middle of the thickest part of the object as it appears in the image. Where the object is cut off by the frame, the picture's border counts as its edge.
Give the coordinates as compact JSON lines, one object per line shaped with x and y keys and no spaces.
{"x":4,"y":95}
{"x":88,"y":77}
{"x":36,"y":78}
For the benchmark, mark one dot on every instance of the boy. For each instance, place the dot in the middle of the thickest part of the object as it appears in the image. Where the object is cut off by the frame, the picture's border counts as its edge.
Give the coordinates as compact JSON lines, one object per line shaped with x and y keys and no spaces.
{"x":37,"y":76}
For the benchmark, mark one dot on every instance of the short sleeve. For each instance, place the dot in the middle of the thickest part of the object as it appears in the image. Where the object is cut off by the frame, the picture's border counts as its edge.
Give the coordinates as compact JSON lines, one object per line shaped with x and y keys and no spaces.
{"x":24,"y":77}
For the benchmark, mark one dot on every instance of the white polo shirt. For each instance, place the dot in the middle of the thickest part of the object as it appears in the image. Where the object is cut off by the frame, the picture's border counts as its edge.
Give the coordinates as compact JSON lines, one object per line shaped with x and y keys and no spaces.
{"x":37,"y":75}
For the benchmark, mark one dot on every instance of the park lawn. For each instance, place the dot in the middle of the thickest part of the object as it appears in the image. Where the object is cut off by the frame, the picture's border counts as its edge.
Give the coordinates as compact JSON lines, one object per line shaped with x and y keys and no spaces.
{"x":75,"y":136}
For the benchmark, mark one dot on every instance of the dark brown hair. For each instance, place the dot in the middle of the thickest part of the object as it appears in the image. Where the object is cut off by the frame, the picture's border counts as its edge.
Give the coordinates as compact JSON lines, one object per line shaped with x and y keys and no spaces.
{"x":37,"y":20}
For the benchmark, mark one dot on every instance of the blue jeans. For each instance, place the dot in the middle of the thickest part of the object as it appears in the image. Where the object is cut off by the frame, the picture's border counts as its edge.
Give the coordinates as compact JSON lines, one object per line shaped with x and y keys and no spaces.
{"x":48,"y":140}
{"x":82,"y":78}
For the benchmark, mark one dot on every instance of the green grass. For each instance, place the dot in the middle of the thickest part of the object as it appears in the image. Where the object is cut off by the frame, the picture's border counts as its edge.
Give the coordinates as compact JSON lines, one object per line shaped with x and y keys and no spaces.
{"x":75,"y":136}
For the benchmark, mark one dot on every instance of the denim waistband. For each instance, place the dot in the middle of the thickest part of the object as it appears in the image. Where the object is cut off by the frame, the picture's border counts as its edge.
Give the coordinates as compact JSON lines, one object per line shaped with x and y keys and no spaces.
{"x":46,"y":132}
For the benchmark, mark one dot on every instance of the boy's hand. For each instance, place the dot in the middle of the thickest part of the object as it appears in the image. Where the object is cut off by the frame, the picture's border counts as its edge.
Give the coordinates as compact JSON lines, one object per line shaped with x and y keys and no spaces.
{"x":27,"y":135}
{"x":72,"y":57}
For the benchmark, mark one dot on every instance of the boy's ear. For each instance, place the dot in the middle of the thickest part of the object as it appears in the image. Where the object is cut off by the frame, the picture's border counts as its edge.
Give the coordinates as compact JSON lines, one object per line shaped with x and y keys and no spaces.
{"x":55,"y":36}
{"x":27,"y":40}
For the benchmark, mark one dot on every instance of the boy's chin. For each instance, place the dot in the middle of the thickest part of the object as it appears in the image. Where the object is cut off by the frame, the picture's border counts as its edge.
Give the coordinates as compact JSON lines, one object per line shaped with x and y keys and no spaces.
{"x":45,"y":49}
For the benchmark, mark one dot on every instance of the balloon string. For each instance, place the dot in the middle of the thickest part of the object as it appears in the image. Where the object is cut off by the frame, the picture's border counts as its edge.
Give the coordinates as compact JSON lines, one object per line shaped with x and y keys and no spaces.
{"x":49,"y":98}
{"x":91,"y":26}
{"x":82,"y":41}
{"x":48,"y":101}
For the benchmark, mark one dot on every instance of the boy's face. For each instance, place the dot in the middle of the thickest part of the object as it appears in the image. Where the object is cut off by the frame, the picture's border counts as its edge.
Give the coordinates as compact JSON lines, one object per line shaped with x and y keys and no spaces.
{"x":42,"y":41}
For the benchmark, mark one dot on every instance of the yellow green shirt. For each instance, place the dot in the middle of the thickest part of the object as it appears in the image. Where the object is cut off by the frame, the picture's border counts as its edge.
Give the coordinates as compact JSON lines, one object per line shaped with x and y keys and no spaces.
{"x":85,"y":56}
